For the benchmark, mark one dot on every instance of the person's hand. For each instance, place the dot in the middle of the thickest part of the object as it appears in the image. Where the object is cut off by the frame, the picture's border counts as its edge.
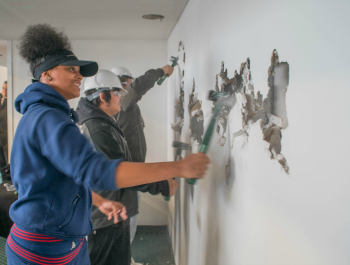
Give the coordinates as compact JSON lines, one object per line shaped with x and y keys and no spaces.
{"x":194,"y":166}
{"x":172,"y":187}
{"x":168,"y":70}
{"x":112,"y":209}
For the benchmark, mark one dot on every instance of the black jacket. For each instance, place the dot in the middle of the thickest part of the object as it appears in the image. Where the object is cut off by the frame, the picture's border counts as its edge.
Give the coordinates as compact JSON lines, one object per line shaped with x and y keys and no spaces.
{"x":3,"y":122}
{"x":129,"y":118}
{"x":106,"y":137}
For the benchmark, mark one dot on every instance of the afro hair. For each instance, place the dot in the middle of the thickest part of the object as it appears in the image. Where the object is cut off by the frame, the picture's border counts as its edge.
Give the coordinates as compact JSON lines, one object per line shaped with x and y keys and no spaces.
{"x":39,"y":42}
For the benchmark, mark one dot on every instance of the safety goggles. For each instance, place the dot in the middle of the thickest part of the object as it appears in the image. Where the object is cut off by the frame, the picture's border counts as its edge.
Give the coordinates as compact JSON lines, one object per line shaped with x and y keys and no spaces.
{"x":116,"y":93}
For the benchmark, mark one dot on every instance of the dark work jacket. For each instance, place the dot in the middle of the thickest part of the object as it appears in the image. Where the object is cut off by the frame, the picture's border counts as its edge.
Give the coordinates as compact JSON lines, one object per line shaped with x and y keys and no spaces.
{"x":105,"y":135}
{"x":129,"y":118}
{"x":3,"y":122}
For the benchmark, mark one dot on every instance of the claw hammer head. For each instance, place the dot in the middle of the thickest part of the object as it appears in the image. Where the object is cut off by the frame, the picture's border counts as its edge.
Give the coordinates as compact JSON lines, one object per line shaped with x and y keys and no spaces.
{"x":222,"y":98}
{"x":181,"y":145}
{"x":174,"y":60}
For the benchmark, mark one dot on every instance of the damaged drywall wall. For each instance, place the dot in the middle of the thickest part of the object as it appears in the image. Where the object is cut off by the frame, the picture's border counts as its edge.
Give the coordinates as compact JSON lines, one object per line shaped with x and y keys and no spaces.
{"x":196,"y":116}
{"x":270,"y":112}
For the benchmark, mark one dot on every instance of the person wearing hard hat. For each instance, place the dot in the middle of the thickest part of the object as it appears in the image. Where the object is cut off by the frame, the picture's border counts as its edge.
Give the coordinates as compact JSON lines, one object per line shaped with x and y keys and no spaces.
{"x":110,"y":243}
{"x":129,"y":118}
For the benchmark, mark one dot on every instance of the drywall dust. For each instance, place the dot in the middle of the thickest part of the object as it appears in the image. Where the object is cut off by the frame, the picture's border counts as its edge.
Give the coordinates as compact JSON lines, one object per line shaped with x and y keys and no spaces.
{"x":270,"y":111}
{"x":196,"y":116}
{"x":177,"y":127}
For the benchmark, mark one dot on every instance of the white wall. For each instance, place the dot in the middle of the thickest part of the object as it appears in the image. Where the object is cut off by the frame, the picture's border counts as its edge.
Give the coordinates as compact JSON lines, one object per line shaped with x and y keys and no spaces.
{"x":3,"y":74}
{"x":264,"y":216}
{"x":138,"y":56}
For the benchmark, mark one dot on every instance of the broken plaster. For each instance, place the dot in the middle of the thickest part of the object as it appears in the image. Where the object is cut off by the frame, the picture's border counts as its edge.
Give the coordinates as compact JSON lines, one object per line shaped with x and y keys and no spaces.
{"x":271,"y":111}
{"x":227,"y":85}
{"x":179,"y":106}
{"x":196,"y":116}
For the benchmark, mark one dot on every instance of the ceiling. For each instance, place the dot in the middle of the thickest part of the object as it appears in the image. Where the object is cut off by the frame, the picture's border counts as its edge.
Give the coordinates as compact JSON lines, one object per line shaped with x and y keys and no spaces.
{"x":91,"y":19}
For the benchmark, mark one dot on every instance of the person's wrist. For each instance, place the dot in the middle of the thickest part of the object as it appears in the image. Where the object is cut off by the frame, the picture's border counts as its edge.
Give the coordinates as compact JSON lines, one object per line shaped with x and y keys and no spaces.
{"x":180,"y":168}
{"x":100,"y":202}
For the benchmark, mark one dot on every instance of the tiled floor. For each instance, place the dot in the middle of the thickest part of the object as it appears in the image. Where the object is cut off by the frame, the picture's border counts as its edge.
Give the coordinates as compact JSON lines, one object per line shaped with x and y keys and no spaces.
{"x":152,"y":246}
{"x":2,"y":251}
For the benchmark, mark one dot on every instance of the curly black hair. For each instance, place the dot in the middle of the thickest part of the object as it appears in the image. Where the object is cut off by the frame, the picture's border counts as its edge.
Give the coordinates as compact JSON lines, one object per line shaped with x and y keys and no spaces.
{"x":39,"y":42}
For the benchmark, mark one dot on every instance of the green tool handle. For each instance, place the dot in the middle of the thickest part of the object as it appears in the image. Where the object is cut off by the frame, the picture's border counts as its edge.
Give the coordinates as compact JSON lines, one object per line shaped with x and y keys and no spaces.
{"x":178,"y":154}
{"x":209,"y":132}
{"x":161,"y":80}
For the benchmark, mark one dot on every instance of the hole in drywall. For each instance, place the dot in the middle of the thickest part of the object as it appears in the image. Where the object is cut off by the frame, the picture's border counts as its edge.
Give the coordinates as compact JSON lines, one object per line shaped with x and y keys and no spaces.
{"x":153,"y":17}
{"x":183,"y":72}
{"x":181,"y":46}
{"x":270,"y":111}
{"x":196,"y":116}
{"x":227,"y":85}
{"x":184,"y":57}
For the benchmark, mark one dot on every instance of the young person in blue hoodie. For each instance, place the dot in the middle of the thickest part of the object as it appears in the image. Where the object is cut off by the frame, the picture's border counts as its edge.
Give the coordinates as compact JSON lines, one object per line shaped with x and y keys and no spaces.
{"x":53,"y":165}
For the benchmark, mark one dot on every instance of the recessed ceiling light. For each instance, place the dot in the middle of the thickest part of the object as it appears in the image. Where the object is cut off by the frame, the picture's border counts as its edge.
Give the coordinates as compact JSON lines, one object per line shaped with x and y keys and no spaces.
{"x":152,"y":16}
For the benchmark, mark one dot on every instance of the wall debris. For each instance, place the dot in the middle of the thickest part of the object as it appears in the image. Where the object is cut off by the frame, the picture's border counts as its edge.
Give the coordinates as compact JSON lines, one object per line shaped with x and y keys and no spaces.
{"x":196,"y":116}
{"x":227,"y":85}
{"x":270,"y":111}
{"x":179,"y":106}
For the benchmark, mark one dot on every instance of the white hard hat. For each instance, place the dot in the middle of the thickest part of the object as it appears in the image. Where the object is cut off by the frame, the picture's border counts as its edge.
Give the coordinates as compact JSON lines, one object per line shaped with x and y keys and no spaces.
{"x":122,"y":71}
{"x":103,"y":80}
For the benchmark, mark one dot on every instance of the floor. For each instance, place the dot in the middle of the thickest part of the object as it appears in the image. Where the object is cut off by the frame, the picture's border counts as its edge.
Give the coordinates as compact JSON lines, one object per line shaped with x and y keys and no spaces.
{"x":152,"y":246}
{"x":2,"y":251}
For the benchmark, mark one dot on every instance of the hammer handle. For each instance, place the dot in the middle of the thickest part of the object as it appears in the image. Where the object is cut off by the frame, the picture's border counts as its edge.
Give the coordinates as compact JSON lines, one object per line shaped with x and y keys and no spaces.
{"x":208,"y":133}
{"x":161,"y":80}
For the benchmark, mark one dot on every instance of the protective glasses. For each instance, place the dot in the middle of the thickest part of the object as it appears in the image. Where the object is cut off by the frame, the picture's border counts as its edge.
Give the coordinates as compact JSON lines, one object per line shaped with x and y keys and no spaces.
{"x":116,"y":93}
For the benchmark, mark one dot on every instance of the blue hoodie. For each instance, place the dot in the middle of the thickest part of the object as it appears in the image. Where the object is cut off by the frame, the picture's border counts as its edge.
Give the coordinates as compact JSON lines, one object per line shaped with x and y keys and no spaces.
{"x":53,"y":167}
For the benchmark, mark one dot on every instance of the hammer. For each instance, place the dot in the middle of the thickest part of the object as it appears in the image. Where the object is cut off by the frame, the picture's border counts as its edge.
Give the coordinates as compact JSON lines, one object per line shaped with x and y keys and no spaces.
{"x":180,"y":146}
{"x":172,"y":59}
{"x":221,"y":100}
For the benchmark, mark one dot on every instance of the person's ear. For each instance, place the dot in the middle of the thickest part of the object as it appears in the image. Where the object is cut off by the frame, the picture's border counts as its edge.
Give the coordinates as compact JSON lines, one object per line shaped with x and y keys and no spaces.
{"x":102,"y":97}
{"x":46,"y":75}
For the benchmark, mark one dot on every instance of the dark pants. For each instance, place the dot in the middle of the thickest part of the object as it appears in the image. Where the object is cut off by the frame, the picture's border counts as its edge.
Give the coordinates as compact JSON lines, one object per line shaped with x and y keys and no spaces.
{"x":110,"y":245}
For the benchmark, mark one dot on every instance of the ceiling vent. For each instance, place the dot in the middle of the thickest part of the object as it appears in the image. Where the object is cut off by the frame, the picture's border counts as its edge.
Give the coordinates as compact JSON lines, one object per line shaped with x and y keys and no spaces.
{"x":153,"y":17}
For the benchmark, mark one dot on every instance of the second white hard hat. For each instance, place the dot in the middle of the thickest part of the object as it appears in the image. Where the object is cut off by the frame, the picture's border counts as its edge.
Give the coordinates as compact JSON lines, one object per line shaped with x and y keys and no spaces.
{"x":103,"y":80}
{"x":122,"y":71}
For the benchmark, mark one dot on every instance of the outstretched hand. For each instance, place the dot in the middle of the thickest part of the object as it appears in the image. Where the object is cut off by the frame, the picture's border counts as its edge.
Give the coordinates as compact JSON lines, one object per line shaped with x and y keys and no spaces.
{"x":172,"y":187}
{"x":111,"y":209}
{"x":168,"y":70}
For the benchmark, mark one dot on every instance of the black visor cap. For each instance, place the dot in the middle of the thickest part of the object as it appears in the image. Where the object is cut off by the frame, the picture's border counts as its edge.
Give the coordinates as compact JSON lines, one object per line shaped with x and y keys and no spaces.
{"x":65,"y":57}
{"x":87,"y":68}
